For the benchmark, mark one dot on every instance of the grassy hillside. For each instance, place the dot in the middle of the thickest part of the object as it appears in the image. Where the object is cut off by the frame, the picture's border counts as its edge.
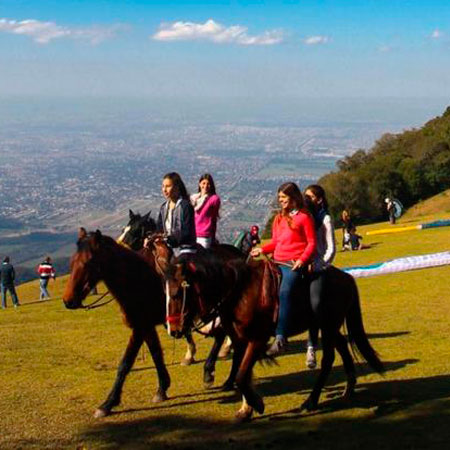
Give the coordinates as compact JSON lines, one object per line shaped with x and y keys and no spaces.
{"x":438,"y":204}
{"x":58,"y":365}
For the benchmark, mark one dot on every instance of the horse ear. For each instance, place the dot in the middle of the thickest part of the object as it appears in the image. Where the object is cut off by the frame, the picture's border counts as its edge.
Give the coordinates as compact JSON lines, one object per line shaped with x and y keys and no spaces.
{"x":146,"y":217}
{"x":82,"y":233}
{"x":130,"y":213}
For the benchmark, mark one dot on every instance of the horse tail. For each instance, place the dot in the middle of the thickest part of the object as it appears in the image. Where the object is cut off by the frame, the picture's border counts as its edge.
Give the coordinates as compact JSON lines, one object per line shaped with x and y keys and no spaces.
{"x":357,"y":335}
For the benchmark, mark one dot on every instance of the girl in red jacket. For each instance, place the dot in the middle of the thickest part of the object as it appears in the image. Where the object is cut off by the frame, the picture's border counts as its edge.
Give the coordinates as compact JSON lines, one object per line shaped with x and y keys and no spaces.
{"x":293,"y":242}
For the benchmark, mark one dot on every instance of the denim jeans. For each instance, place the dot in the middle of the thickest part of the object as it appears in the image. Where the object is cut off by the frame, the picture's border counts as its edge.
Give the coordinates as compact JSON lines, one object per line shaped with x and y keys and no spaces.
{"x":316,"y":289}
{"x":43,"y":283}
{"x":12,"y":291}
{"x":289,"y":281}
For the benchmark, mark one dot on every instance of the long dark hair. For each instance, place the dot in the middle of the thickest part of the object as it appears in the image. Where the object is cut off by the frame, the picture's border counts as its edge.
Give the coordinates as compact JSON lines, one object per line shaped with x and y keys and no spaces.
{"x":319,"y":192}
{"x":212,"y":186}
{"x":178,"y":184}
{"x":293,"y":192}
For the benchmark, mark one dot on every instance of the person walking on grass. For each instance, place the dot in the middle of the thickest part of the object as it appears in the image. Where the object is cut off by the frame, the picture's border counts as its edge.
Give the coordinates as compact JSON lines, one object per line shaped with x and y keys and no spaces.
{"x":293,"y":245}
{"x":316,"y":199}
{"x":45,"y":271}
{"x":7,"y":277}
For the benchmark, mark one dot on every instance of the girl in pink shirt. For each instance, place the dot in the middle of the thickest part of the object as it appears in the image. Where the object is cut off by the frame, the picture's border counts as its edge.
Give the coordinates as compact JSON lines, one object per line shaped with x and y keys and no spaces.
{"x":206,"y":204}
{"x":293,"y":241}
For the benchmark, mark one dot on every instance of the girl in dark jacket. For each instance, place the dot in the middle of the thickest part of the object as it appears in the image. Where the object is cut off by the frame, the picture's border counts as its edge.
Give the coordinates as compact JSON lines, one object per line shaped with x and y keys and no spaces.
{"x":176,"y":216}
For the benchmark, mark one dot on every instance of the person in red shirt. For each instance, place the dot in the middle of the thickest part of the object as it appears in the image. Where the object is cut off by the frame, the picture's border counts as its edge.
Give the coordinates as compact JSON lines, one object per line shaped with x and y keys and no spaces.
{"x":45,"y":271}
{"x":294,"y":243}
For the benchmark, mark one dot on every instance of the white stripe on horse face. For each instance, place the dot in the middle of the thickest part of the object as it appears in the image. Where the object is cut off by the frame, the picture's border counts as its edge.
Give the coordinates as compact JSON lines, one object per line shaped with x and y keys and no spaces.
{"x":167,"y":307}
{"x":122,"y":236}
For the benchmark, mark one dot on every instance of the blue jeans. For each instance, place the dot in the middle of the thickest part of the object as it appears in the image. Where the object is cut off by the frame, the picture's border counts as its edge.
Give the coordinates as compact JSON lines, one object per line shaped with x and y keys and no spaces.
{"x":289,"y":281}
{"x":12,"y":291}
{"x":43,"y":283}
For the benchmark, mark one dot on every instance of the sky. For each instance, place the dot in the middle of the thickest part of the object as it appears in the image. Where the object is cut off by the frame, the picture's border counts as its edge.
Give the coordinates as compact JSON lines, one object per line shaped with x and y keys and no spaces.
{"x":225,"y":49}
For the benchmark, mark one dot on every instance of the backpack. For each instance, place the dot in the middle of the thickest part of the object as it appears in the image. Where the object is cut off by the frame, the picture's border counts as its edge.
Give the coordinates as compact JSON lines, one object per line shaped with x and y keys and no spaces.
{"x":238,"y":241}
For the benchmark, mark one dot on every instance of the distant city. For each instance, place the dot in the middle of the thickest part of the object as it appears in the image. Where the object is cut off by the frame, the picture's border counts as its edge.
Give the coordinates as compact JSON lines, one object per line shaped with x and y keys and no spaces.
{"x":64,"y":171}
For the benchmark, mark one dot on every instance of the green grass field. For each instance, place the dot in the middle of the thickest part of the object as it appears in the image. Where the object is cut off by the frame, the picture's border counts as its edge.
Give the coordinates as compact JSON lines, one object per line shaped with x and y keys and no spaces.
{"x":58,"y":365}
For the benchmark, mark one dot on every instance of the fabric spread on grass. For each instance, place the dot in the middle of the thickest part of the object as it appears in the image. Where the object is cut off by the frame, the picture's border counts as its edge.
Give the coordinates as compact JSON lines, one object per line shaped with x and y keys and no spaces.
{"x":400,"y":265}
{"x":422,"y":226}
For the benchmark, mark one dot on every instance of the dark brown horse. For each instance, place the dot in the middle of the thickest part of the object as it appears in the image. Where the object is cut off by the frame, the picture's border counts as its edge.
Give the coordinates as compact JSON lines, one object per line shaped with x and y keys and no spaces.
{"x":245,"y":298}
{"x":137,"y":288}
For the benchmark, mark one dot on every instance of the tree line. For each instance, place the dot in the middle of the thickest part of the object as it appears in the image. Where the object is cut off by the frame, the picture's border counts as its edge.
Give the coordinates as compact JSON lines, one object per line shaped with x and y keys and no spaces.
{"x":410,"y":166}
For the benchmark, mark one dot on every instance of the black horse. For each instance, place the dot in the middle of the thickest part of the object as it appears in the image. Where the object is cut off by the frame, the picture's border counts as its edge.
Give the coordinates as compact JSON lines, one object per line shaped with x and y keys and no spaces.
{"x":137,"y":230}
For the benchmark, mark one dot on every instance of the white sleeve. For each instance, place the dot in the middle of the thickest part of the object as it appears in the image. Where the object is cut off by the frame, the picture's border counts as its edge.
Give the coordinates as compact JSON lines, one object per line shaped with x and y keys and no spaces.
{"x":330,"y":250}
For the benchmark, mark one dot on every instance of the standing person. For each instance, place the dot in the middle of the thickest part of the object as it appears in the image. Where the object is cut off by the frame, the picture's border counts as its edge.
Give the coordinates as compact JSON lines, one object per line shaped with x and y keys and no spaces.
{"x":325,"y":253}
{"x":390,"y":209}
{"x":206,"y":205}
{"x":293,"y":242}
{"x":176,"y":216}
{"x":45,"y":271}
{"x":7,"y":277}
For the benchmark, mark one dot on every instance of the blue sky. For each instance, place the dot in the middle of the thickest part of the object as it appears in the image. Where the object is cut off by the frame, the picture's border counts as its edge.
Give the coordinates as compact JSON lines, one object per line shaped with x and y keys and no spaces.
{"x":260,"y":49}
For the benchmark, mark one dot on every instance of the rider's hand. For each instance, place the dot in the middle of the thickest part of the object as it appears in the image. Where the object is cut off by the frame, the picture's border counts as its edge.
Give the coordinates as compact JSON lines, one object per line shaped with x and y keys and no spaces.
{"x":297,"y":264}
{"x":255,"y":252}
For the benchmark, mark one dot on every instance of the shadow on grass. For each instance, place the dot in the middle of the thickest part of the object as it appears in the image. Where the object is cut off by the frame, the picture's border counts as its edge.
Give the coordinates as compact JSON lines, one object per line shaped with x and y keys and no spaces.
{"x":396,"y":414}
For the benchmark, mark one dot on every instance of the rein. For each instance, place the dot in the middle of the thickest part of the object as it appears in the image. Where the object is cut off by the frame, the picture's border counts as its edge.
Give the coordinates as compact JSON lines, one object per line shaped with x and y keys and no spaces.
{"x":94,"y":305}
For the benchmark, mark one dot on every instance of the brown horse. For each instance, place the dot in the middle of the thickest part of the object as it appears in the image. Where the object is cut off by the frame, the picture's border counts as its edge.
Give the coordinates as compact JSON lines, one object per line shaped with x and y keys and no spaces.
{"x":143,"y":228}
{"x":137,"y":288}
{"x":247,"y":307}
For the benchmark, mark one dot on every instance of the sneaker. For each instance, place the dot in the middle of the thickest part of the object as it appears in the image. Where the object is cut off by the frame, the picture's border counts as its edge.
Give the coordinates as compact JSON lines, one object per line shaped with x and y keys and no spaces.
{"x":278,"y":346}
{"x":311,"y":361}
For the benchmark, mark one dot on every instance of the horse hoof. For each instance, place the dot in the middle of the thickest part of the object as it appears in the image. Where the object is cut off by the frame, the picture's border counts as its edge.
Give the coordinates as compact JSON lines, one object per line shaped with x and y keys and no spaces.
{"x":187,"y":361}
{"x":227,"y":387}
{"x":100,"y":413}
{"x":309,"y":405}
{"x":159,"y":397}
{"x":243,"y":416}
{"x":208,"y":384}
{"x":259,"y":406}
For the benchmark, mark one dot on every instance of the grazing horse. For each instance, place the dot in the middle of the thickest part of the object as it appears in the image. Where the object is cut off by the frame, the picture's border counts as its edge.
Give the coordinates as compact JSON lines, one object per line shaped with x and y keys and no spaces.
{"x":248,"y":307}
{"x":133,"y":236}
{"x":137,"y":288}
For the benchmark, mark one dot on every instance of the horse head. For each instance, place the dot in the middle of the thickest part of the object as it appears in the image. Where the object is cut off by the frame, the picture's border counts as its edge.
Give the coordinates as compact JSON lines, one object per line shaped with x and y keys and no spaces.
{"x":84,"y":268}
{"x":136,"y":230}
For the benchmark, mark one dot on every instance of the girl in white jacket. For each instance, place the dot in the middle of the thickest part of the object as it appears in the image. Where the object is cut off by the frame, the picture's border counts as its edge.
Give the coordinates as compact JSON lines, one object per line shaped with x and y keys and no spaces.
{"x":325,"y":252}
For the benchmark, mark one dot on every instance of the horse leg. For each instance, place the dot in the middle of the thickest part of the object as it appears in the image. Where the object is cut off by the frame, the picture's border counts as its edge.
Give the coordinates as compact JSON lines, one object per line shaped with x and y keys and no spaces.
{"x":154,"y":346}
{"x":238,"y":354}
{"x":250,"y":399}
{"x":349,"y":366}
{"x":131,"y":352}
{"x":190,"y":352}
{"x":328,"y":346}
{"x":210,"y":364}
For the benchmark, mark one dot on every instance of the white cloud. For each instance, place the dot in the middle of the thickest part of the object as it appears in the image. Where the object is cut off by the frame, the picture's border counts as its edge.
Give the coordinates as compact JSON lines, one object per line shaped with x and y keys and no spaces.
{"x":215,"y":32}
{"x":44,"y":32}
{"x":316,"y":40}
{"x":436,"y":34}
